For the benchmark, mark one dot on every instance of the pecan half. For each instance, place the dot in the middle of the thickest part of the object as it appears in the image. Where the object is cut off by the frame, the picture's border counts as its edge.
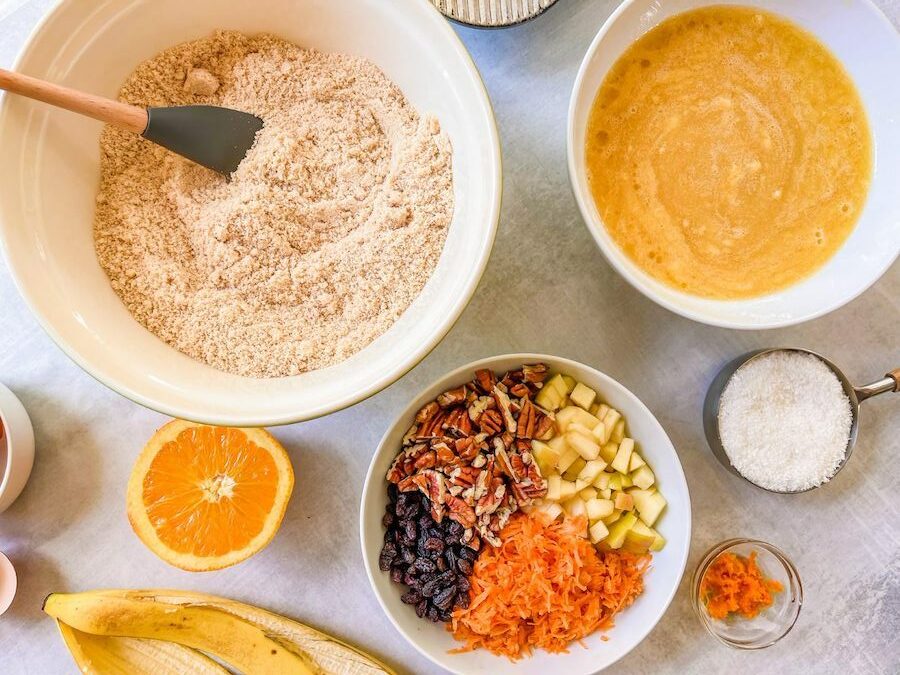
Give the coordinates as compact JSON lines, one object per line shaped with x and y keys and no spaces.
{"x":452,"y":397}
{"x":526,"y":423}
{"x":490,"y":422}
{"x":485,"y":379}
{"x":536,"y":372}
{"x":503,"y":404}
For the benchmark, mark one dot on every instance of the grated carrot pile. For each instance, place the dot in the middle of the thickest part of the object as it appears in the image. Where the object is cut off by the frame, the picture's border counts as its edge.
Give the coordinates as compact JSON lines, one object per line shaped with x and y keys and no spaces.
{"x":544,"y":587}
{"x":733,"y":584}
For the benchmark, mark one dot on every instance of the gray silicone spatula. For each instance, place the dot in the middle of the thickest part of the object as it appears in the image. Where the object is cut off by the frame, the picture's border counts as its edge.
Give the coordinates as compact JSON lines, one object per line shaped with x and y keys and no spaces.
{"x":215,"y":137}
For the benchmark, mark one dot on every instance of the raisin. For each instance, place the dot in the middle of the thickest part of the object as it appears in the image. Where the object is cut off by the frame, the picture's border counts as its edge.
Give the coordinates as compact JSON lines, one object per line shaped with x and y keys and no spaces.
{"x":397,"y":575}
{"x":393,"y":492}
{"x":464,"y":566}
{"x":434,"y":545}
{"x":433,"y":614}
{"x":411,"y":598}
{"x":409,"y":528}
{"x":410,"y":579}
{"x":462,"y":600}
{"x":432,"y":587}
{"x":389,"y":535}
{"x":388,"y":519}
{"x":409,"y":556}
{"x":445,"y":615}
{"x":468,"y":553}
{"x":463,"y":585}
{"x":455,"y":530}
{"x":441,"y":564}
{"x":388,"y":554}
{"x":444,"y":599}
{"x":421,"y":608}
{"x":423,"y":566}
{"x":450,"y":557}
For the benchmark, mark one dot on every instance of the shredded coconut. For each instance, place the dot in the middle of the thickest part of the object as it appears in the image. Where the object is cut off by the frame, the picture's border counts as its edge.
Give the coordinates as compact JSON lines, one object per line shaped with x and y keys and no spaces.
{"x":326,"y":233}
{"x":784,"y":421}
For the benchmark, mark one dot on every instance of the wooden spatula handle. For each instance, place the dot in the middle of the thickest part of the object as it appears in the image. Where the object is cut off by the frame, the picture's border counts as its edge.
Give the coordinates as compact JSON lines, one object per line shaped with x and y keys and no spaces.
{"x":122,"y":115}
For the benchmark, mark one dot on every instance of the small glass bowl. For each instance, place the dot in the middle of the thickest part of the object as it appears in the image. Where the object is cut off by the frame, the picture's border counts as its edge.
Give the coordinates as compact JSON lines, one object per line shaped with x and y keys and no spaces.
{"x":771,"y":624}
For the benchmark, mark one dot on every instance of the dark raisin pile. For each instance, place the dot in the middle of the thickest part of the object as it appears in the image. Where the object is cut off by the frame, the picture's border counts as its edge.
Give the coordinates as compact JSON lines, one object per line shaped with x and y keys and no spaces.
{"x":429,"y":558}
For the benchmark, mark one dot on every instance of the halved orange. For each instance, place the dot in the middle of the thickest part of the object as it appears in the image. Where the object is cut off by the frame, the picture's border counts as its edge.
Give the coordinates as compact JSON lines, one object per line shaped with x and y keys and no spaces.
{"x":203,"y":498}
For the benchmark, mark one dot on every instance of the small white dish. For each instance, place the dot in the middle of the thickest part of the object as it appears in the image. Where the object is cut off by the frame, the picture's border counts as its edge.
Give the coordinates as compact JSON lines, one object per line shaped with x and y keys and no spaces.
{"x":16,"y":448}
{"x":8,"y":583}
{"x":863,"y":39}
{"x":631,"y":626}
{"x":49,"y":172}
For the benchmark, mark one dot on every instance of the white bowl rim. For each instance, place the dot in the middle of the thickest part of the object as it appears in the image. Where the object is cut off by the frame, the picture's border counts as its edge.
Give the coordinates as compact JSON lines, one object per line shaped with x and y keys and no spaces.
{"x":461,"y":372}
{"x":351,"y":398}
{"x":639,"y":283}
{"x":19,"y":442}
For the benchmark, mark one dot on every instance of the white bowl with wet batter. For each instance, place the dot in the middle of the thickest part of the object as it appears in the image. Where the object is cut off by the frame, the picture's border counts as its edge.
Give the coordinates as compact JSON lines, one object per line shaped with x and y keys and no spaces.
{"x":868,"y":47}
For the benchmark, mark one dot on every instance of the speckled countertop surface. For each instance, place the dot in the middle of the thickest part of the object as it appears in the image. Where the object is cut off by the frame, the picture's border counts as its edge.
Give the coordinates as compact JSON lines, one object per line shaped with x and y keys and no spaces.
{"x":68,"y":530}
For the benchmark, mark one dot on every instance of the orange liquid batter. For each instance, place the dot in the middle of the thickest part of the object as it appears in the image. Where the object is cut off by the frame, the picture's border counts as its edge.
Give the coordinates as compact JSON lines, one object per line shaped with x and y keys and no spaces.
{"x":728,"y":153}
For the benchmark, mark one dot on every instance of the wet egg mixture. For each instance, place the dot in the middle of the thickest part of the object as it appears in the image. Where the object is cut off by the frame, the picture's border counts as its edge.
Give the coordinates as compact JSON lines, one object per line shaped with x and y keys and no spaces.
{"x":728,"y":153}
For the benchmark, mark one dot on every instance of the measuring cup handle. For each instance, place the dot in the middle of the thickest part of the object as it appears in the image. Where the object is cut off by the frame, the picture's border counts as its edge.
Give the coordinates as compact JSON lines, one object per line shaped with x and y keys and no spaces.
{"x":891,"y":382}
{"x":895,"y":376}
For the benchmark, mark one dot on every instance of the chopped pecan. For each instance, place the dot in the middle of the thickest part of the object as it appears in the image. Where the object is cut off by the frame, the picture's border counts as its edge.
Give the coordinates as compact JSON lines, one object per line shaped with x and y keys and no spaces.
{"x":544,"y":427}
{"x":408,"y":484}
{"x":410,"y":436}
{"x":458,"y":423}
{"x":427,"y":461}
{"x":466,"y":448}
{"x":444,"y":454}
{"x":503,"y":404}
{"x":463,"y":475}
{"x":490,"y":422}
{"x":525,"y":425}
{"x":452,"y":397}
{"x":536,"y":372}
{"x":490,"y":502}
{"x":479,"y":461}
{"x":478,"y":406}
{"x":461,"y":512}
{"x":503,"y":463}
{"x":427,"y":412}
{"x":520,"y":390}
{"x":485,"y":379}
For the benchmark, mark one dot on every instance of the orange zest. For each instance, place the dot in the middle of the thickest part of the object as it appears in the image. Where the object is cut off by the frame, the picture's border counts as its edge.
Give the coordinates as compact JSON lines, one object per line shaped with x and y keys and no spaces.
{"x":735,"y":585}
{"x":204,"y":497}
{"x":544,"y":587}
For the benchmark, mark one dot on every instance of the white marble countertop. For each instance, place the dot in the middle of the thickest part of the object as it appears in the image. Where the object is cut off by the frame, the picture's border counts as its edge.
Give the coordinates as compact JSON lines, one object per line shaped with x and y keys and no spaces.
{"x":68,"y":530}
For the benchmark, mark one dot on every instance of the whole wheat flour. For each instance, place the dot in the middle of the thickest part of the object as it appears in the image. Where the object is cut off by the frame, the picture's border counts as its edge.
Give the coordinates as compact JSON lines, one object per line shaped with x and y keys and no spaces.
{"x":326,"y":233}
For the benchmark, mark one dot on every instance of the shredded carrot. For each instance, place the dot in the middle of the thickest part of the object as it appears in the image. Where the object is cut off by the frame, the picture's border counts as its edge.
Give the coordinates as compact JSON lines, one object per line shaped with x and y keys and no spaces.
{"x":734,"y":584}
{"x":544,"y":587}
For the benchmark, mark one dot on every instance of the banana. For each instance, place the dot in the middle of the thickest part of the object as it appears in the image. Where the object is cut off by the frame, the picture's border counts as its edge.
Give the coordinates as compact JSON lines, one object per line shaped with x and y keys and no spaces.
{"x":106,"y":655}
{"x":239,"y":643}
{"x":329,"y":654}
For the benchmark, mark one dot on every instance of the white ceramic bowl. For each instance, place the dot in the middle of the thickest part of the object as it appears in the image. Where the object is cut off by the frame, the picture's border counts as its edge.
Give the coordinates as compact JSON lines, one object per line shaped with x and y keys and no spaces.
{"x":8,"y":583}
{"x":869,"y":47}
{"x":632,"y":625}
{"x":49,"y":175}
{"x":16,"y":448}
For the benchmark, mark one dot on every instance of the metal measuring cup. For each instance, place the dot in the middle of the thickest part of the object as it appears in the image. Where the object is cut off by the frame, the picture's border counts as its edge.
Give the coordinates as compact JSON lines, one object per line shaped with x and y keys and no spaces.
{"x":890,"y":382}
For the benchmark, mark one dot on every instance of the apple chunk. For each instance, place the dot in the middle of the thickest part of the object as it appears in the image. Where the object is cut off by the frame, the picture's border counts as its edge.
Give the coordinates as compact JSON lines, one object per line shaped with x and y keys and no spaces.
{"x":623,"y":455}
{"x":583,"y":396}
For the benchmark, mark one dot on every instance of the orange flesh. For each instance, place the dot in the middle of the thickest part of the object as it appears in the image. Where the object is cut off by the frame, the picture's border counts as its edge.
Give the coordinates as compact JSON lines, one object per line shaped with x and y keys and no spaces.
{"x":544,"y":587}
{"x":736,"y":585}
{"x":209,"y":491}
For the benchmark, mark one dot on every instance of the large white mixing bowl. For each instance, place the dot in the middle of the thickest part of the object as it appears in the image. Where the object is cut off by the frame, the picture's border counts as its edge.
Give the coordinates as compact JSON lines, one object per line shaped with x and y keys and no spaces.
{"x":49,"y":172}
{"x":862,"y":38}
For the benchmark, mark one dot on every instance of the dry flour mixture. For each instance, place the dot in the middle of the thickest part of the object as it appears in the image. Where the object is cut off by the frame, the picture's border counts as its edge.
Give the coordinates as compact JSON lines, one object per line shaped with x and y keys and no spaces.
{"x":326,"y":233}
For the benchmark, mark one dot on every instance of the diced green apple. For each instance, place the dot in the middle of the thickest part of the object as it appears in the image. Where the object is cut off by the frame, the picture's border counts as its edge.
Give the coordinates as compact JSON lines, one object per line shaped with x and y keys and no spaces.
{"x":554,"y":484}
{"x":575,"y":507}
{"x":638,"y":540}
{"x":636,"y":462}
{"x":552,"y":509}
{"x":552,"y":393}
{"x":611,"y":418}
{"x":657,"y":542}
{"x":598,"y":509}
{"x":566,"y":459}
{"x":583,"y":396}
{"x":602,"y":481}
{"x":612,"y":517}
{"x":591,"y":470}
{"x":648,"y":504}
{"x":623,"y":501}
{"x":618,"y":432}
{"x":587,"y":493}
{"x":619,"y":529}
{"x":615,"y":482}
{"x":573,"y":414}
{"x":570,"y":383}
{"x":623,"y":455}
{"x":598,"y":532}
{"x":545,"y":456}
{"x":606,"y":494}
{"x":566,"y":490}
{"x":643,"y":477}
{"x":574,"y":469}
{"x":608,"y":451}
{"x":584,"y":445}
